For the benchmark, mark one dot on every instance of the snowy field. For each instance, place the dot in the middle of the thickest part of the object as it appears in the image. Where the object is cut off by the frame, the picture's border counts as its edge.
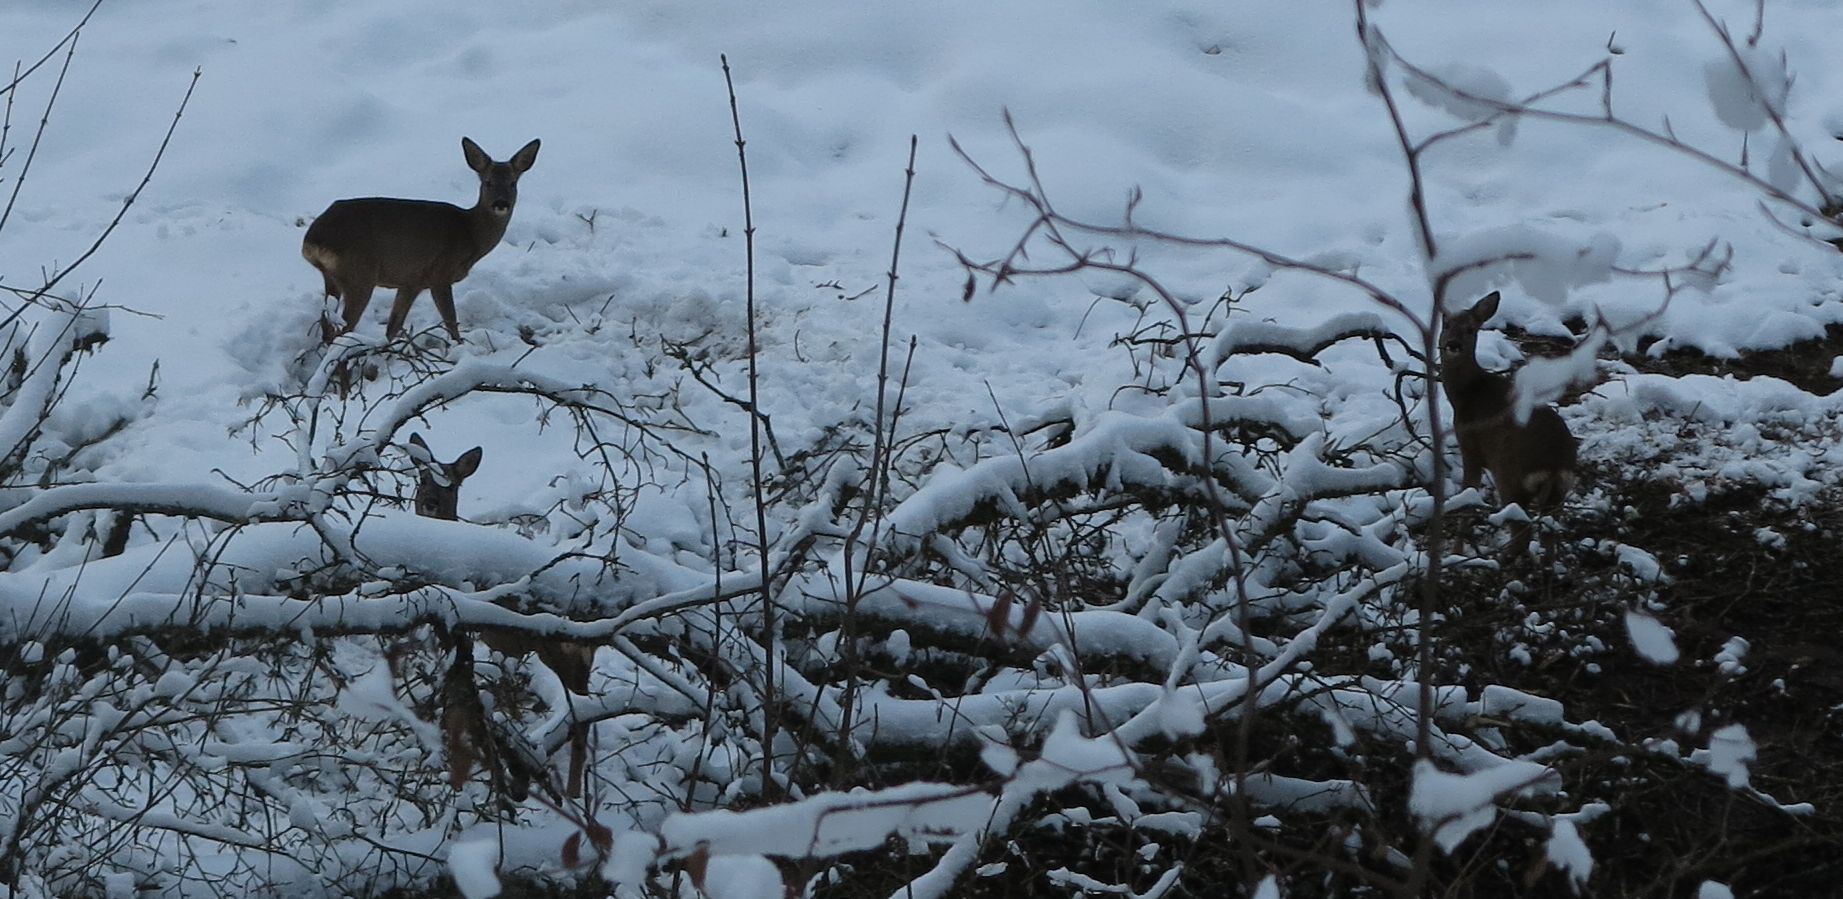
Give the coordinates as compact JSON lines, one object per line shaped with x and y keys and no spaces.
{"x":605,"y":369}
{"x":1233,"y":122}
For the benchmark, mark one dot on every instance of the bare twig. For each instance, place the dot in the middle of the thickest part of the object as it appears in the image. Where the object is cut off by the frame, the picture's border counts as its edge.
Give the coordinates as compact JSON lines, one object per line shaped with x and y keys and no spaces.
{"x":768,"y":639}
{"x":870,"y":514}
{"x":127,"y":202}
{"x":38,"y":134}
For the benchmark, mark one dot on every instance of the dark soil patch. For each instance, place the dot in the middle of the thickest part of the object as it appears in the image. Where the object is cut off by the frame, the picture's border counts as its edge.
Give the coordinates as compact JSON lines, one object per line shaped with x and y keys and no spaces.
{"x":1674,"y":825}
{"x":1805,"y":364}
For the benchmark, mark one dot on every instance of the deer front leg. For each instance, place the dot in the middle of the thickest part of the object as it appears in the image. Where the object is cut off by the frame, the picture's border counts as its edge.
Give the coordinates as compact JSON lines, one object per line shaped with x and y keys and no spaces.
{"x":1472,"y":457}
{"x":572,"y":663}
{"x":579,"y":759}
{"x":400,"y":310}
{"x":443,"y":294}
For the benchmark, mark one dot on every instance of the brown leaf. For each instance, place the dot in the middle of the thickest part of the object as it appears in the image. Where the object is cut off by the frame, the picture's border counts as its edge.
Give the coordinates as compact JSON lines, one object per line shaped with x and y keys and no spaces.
{"x":600,"y":837}
{"x":572,"y":850}
{"x":998,"y":618}
{"x":1030,"y":616}
{"x":1538,"y":866}
{"x":696,"y":864}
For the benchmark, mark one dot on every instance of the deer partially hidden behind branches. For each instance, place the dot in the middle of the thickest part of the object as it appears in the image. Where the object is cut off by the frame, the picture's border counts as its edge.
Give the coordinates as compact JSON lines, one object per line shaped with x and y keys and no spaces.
{"x":438,"y":491}
{"x":412,"y":245}
{"x":1532,"y":463}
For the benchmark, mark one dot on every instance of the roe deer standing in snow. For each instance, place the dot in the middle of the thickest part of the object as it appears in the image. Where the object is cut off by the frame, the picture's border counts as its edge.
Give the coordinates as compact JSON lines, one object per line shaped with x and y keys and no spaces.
{"x":438,"y":493}
{"x":412,"y":245}
{"x":1532,"y":463}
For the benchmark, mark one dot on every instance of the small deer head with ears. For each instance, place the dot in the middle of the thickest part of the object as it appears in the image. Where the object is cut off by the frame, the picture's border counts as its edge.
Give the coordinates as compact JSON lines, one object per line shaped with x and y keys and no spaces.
{"x":438,"y":491}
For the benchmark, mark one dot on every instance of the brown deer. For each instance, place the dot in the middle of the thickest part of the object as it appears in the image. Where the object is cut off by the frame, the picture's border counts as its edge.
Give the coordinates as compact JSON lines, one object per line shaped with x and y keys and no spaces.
{"x":1532,"y":463}
{"x":412,"y":245}
{"x":438,"y":493}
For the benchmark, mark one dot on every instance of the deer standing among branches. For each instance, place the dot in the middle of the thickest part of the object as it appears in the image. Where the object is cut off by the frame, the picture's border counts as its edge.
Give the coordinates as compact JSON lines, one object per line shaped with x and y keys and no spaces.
{"x":1532,"y":463}
{"x":412,"y":245}
{"x":438,"y":492}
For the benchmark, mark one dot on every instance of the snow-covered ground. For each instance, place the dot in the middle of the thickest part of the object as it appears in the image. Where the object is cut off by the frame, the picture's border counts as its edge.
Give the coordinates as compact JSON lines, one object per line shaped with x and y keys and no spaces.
{"x":1237,"y":120}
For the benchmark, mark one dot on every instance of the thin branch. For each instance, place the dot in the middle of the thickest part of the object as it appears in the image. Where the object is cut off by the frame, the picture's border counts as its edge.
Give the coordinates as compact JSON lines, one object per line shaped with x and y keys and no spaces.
{"x":127,"y":203}
{"x":1765,"y":101}
{"x":1048,"y":219}
{"x":69,"y":37}
{"x":38,"y":135}
{"x":769,"y":713}
{"x":1667,"y":138}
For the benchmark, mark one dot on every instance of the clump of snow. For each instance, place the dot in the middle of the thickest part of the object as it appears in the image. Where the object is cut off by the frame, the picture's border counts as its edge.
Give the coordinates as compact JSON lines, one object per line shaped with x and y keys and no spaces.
{"x":1001,"y":758}
{"x":743,"y":877}
{"x":474,"y":866}
{"x":1729,"y":754}
{"x":1651,"y":639}
{"x":1504,"y":702}
{"x":1468,"y":92}
{"x":629,"y":859}
{"x":1454,"y":806}
{"x":1544,"y":379}
{"x":897,"y":645}
{"x":1728,"y":658}
{"x":1179,"y":715}
{"x":173,"y":683}
{"x":1743,"y":97}
{"x":1569,"y":854}
{"x":834,"y":823}
{"x":1643,"y":566}
{"x":1769,"y":537}
{"x":1545,"y":265}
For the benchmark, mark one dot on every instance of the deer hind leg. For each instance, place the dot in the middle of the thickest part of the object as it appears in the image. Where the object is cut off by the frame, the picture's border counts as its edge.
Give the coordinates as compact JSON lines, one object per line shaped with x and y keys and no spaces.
{"x":443,"y":295}
{"x":328,"y":329}
{"x":400,"y":310}
{"x":1547,"y":490}
{"x":353,"y":297}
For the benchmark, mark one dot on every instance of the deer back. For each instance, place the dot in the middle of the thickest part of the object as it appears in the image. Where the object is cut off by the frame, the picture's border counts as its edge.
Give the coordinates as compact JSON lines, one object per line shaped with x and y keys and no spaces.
{"x":395,"y":243}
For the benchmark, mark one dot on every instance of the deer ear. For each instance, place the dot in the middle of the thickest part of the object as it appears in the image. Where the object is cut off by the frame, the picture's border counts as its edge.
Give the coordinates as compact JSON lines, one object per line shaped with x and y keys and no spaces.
{"x":419,"y":451}
{"x":1487,"y":307}
{"x":476,"y":157}
{"x":468,"y":463}
{"x":522,"y":160}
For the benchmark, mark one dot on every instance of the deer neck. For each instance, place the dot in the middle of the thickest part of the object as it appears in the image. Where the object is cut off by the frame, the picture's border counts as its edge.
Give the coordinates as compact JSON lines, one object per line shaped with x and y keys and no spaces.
{"x":1461,"y":375}
{"x":487,"y":227}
